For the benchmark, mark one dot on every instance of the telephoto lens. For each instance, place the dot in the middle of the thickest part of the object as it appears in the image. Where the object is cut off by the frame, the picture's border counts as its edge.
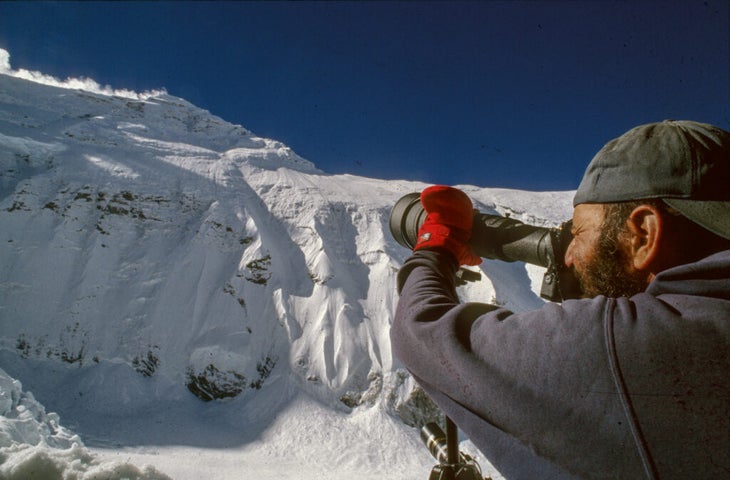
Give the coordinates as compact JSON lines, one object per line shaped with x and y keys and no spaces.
{"x":500,"y":238}
{"x":406,"y":217}
{"x":493,"y":236}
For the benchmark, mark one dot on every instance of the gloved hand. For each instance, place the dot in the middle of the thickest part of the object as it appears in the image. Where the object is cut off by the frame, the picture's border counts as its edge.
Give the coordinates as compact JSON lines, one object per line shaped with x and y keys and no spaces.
{"x":448,"y":224}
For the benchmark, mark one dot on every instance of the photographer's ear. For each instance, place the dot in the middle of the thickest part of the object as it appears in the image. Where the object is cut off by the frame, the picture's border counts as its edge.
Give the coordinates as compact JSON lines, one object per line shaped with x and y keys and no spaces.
{"x":645,"y":228}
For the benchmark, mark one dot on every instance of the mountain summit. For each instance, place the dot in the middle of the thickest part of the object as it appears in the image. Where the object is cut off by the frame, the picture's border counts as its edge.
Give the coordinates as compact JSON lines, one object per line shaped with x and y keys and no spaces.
{"x":152,"y":254}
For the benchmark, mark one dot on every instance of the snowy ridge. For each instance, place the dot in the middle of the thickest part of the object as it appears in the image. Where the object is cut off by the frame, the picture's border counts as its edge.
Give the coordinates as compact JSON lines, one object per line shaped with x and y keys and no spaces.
{"x":153,"y":256}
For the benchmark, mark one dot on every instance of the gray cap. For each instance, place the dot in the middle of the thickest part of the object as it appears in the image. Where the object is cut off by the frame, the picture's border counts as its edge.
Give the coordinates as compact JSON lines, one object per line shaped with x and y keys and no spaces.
{"x":686,"y":164}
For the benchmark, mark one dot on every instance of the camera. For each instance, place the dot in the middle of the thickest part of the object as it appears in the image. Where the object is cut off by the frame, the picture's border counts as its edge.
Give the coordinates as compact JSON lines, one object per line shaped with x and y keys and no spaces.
{"x":501,"y":238}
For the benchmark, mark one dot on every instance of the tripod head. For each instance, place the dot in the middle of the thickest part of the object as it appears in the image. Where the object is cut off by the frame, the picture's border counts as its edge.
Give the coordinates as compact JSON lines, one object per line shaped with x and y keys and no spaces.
{"x":453,"y":464}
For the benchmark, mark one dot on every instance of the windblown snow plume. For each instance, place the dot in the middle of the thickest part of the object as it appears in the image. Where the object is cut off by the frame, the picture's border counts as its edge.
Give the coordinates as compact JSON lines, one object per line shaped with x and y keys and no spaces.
{"x":85,"y":84}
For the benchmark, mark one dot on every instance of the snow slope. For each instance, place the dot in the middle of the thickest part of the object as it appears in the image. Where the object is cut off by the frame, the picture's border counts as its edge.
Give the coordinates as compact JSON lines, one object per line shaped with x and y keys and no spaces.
{"x":188,"y":295}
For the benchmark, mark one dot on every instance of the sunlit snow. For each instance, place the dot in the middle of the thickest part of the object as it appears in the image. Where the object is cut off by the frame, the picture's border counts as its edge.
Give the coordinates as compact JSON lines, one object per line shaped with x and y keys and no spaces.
{"x":194,"y":301}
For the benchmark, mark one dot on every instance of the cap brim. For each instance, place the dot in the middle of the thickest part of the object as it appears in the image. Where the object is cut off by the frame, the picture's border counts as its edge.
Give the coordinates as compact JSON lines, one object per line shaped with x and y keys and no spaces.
{"x":712,"y":215}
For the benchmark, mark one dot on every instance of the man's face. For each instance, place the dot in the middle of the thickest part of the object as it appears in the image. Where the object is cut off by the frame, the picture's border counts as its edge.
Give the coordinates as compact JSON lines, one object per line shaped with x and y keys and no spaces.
{"x":599,"y":254}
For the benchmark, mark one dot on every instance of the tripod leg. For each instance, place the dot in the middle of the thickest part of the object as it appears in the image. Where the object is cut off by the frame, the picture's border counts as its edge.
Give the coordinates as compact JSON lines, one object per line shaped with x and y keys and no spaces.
{"x":452,"y":442}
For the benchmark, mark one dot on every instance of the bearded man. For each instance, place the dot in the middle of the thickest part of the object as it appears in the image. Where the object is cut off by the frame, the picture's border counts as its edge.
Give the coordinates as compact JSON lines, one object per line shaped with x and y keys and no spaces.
{"x":633,"y":380}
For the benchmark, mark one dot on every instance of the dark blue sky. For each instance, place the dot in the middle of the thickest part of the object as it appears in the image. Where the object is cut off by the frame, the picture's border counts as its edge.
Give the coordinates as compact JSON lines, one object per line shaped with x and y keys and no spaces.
{"x":491,"y":93}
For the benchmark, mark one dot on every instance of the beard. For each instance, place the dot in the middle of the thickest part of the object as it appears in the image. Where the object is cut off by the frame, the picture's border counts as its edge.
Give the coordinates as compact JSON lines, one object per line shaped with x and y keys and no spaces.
{"x":611,"y":273}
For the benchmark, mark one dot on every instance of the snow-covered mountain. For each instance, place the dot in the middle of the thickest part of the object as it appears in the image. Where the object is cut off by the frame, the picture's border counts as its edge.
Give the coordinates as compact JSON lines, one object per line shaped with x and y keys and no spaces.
{"x":168,"y":278}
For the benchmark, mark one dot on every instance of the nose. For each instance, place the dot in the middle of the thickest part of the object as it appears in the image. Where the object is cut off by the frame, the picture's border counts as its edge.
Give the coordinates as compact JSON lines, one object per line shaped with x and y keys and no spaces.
{"x":569,"y":259}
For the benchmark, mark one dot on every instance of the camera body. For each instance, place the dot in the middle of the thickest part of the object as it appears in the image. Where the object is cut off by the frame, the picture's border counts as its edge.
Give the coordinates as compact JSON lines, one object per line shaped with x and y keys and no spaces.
{"x":501,"y":238}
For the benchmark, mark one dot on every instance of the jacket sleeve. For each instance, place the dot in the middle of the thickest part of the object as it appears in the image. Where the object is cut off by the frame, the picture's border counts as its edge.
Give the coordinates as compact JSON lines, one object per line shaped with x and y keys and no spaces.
{"x":540,"y":378}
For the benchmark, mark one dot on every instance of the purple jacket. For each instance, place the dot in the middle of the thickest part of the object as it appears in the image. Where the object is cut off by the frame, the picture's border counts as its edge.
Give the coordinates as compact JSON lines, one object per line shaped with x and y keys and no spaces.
{"x":595,"y":388}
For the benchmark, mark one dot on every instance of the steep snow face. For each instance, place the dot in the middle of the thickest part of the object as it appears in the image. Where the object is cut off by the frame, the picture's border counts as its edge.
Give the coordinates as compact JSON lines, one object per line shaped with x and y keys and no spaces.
{"x":154,"y":234}
{"x":143,"y":237}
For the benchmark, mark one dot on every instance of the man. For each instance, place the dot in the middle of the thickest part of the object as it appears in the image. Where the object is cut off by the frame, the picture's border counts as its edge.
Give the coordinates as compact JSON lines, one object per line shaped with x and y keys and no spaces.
{"x":630,"y":382}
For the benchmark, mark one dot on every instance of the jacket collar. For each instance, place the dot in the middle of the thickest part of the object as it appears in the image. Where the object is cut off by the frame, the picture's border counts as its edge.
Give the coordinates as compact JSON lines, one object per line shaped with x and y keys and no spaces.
{"x":709,"y":277}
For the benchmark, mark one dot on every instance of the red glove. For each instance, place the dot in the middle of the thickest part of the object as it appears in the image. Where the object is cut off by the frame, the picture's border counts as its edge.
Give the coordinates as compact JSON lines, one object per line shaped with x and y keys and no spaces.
{"x":448,"y":224}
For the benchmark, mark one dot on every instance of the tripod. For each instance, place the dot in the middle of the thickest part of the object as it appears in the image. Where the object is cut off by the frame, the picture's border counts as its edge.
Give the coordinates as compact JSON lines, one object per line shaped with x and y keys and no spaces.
{"x":453,"y":465}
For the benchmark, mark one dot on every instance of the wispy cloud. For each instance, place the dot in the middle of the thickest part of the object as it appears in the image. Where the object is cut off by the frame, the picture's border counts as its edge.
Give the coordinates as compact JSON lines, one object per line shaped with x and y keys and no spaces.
{"x":85,"y":84}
